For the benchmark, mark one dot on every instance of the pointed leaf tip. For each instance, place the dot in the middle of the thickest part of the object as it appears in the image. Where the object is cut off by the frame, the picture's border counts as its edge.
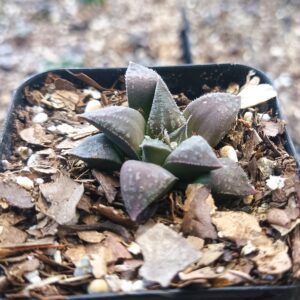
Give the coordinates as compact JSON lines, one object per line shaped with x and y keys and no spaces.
{"x":192,"y":158}
{"x":140,"y":87}
{"x":230,"y":180}
{"x":98,"y":152}
{"x":212,"y":115}
{"x":143,"y":183}
{"x":164,"y":114}
{"x":124,"y":126}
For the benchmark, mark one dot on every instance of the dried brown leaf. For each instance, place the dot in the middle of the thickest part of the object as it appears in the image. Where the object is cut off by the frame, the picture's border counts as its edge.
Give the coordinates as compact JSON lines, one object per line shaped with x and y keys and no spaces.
{"x":210,"y":253}
{"x":91,"y":236}
{"x":108,"y":183}
{"x":273,"y":259}
{"x":11,"y":218}
{"x":296,"y":251}
{"x":254,"y":94}
{"x":197,"y":220}
{"x":272,"y":129}
{"x":35,"y":135}
{"x":196,"y":242}
{"x":236,"y":225}
{"x":28,"y":265}
{"x":10,"y":235}
{"x":114,"y":215}
{"x":166,"y":253}
{"x":115,"y":245}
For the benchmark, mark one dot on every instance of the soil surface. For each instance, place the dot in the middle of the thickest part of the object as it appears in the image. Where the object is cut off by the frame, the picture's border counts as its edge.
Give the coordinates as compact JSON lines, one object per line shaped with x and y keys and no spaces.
{"x":37,"y":35}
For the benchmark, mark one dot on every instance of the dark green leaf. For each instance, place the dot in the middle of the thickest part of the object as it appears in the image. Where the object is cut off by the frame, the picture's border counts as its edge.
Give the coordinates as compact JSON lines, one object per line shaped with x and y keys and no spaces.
{"x":154,"y":151}
{"x":98,"y":152}
{"x":164,"y":115}
{"x":192,"y":158}
{"x":124,"y":126}
{"x":143,"y":183}
{"x":182,"y":133}
{"x":213,"y":115}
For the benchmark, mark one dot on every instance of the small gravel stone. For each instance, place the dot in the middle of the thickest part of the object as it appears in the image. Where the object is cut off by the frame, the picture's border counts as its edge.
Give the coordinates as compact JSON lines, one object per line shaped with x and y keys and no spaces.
{"x":248,"y":116}
{"x":275,"y":182}
{"x":24,"y":152}
{"x":229,"y":152}
{"x":40,"y":118}
{"x":25,"y":182}
{"x":93,"y":105}
{"x":98,"y":286}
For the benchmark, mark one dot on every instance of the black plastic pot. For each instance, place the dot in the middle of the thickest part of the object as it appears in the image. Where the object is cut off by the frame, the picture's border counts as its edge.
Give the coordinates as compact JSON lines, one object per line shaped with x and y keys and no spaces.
{"x":189,"y":79}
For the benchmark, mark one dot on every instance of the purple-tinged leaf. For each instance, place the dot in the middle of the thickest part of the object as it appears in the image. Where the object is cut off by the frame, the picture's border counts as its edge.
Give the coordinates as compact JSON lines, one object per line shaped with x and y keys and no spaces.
{"x":98,"y":152}
{"x":124,"y":126}
{"x":165,"y":114}
{"x":143,"y":183}
{"x":192,"y":158}
{"x":230,"y":180}
{"x":212,"y":115}
{"x":140,"y":87}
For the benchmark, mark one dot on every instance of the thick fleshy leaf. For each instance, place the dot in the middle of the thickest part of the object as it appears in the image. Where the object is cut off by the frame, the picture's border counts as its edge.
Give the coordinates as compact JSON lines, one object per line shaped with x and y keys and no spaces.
{"x":154,"y":151}
{"x":182,"y":133}
{"x":124,"y":126}
{"x":164,"y":114}
{"x":98,"y":152}
{"x":192,"y":158}
{"x":143,"y":183}
{"x":213,"y":115}
{"x":230,"y":180}
{"x":140,"y":87}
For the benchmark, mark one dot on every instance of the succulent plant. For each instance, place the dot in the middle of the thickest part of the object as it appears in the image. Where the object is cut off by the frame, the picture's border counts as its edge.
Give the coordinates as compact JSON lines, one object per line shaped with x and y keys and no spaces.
{"x":155,"y":144}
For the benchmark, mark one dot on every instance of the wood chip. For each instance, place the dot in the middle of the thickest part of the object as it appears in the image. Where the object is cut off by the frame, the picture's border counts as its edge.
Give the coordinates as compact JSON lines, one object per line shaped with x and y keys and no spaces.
{"x":63,"y":196}
{"x":15,"y":195}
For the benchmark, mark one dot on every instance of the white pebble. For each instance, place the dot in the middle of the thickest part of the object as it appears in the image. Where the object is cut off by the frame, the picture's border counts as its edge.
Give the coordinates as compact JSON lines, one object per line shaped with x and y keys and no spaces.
{"x":220,"y":269}
{"x":33,"y":277}
{"x":24,"y":152}
{"x":275,"y":182}
{"x":39,"y":180}
{"x":229,"y":152}
{"x":57,"y":256}
{"x":138,"y":286}
{"x":52,"y":128}
{"x":98,"y":286}
{"x":92,"y":106}
{"x":134,"y":248}
{"x":40,"y":118}
{"x":6,"y":165}
{"x":25,"y":182}
{"x":248,"y":248}
{"x":37,"y":109}
{"x":83,"y":267}
{"x":65,"y":129}
{"x":93,"y":92}
{"x":264,"y":117}
{"x":173,"y":145}
{"x":248,"y":116}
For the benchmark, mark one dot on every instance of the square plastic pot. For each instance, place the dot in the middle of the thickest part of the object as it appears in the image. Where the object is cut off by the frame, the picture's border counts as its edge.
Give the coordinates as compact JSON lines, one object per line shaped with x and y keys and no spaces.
{"x":189,"y":79}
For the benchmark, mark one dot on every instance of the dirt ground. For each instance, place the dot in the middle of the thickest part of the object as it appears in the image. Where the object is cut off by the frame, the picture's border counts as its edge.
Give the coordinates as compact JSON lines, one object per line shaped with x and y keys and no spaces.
{"x":37,"y":35}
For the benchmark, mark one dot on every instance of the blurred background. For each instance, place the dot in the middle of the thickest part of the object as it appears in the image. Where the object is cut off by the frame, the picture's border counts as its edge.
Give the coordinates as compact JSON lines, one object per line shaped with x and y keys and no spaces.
{"x":36,"y":35}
